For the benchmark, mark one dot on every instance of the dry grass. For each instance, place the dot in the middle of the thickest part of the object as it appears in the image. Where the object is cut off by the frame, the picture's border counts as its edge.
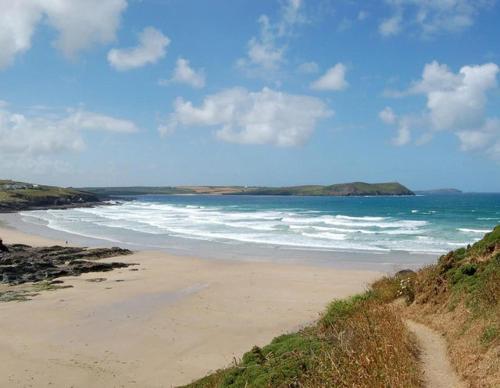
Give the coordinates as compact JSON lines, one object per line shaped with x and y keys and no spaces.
{"x":370,"y":349}
{"x":362,"y":341}
{"x":358,"y":342}
{"x":460,"y":297}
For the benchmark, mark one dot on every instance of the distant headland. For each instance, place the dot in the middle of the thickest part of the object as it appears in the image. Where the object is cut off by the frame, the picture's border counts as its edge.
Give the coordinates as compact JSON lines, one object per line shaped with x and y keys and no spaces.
{"x":439,"y":191}
{"x":16,"y":196}
{"x":341,"y":189}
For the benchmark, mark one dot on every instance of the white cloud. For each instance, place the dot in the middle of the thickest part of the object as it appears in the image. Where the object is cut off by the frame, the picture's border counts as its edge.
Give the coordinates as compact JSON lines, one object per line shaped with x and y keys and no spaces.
{"x":80,"y":119}
{"x":151,"y":48}
{"x":390,"y":26}
{"x":264,"y":117}
{"x":387,"y":115}
{"x":333,"y":79}
{"x":79,"y":23}
{"x":266,"y":52}
{"x":17,"y":24}
{"x":185,"y":74}
{"x":430,"y":17}
{"x":308,"y":68}
{"x":292,"y":15}
{"x":83,"y":23}
{"x":22,"y":134}
{"x":403,"y":134}
{"x":456,"y":102}
{"x":263,"y":51}
{"x":485,"y":138}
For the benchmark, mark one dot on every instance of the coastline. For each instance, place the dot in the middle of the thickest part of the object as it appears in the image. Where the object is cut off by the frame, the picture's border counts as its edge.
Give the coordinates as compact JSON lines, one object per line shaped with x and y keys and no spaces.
{"x":173,"y":320}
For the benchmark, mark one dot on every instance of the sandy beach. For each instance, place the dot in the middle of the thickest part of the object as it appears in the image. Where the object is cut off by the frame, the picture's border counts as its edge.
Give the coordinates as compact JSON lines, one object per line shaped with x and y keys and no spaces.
{"x":170,"y":321}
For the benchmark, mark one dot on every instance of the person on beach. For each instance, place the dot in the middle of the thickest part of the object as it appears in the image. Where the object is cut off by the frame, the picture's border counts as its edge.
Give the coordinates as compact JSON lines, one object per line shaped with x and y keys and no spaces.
{"x":3,"y":248}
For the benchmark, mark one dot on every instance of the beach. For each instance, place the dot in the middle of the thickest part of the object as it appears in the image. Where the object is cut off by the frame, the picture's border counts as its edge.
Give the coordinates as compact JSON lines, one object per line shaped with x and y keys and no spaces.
{"x":163,"y":323}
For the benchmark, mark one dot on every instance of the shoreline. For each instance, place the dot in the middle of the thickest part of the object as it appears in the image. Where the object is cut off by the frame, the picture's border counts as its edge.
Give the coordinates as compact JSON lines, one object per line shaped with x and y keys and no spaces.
{"x":173,"y":320}
{"x":392,"y":261}
{"x":52,"y":207}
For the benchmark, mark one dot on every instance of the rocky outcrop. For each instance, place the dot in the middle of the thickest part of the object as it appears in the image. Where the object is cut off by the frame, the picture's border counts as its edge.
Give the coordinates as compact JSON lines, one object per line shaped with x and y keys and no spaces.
{"x":22,"y":263}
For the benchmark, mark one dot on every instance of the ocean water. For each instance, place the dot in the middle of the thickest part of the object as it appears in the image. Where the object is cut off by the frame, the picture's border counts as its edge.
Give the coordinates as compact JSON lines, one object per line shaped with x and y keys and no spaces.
{"x":427,"y":224}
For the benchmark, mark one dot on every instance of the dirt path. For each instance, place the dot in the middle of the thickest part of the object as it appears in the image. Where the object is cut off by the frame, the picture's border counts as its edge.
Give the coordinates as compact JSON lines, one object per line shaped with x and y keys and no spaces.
{"x":438,"y":372}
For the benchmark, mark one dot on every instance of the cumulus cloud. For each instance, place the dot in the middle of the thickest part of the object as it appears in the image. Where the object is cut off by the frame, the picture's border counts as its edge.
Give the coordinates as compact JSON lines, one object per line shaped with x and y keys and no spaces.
{"x":390,"y":26}
{"x":430,"y":17}
{"x":23,"y":134}
{"x":17,"y":24}
{"x":185,"y":74}
{"x":387,"y":115}
{"x":333,"y":79}
{"x":83,"y":23}
{"x":151,"y":48}
{"x":266,"y":52}
{"x":79,"y":24}
{"x":263,"y":117}
{"x":456,"y":102}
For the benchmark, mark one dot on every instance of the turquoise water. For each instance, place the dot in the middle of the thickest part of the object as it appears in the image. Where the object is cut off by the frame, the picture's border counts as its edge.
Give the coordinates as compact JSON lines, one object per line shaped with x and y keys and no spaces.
{"x":415,"y":224}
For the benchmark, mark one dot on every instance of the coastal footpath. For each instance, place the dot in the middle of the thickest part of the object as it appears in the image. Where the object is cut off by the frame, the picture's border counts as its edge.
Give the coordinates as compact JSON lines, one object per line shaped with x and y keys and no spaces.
{"x":384,"y":337}
{"x":184,"y":317}
{"x":438,"y":326}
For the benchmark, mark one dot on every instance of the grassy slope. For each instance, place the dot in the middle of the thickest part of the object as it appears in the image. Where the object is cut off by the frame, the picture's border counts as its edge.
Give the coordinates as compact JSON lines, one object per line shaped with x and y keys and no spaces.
{"x":356,"y":188}
{"x":168,"y":190}
{"x":357,"y":342}
{"x":41,"y":196}
{"x":362,"y":342}
{"x":460,"y":297}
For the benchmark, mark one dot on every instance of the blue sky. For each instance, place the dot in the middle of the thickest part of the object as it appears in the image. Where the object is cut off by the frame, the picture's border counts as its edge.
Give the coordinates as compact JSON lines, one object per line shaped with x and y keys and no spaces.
{"x":261,"y":92}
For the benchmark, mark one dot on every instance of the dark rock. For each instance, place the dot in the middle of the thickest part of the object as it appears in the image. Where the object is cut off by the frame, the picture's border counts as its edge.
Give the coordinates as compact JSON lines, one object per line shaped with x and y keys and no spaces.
{"x":22,"y":263}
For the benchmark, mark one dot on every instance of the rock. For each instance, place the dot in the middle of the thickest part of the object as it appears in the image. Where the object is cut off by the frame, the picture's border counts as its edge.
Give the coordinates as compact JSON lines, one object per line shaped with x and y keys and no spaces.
{"x":404,"y":273}
{"x":22,"y":263}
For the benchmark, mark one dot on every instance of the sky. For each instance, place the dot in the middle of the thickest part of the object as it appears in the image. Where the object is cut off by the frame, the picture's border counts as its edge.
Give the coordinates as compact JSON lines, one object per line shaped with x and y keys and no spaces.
{"x":250,"y":92}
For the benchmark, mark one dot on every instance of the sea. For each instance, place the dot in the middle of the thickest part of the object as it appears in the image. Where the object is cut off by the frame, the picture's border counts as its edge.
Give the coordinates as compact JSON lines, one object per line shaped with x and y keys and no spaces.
{"x":403,"y":231}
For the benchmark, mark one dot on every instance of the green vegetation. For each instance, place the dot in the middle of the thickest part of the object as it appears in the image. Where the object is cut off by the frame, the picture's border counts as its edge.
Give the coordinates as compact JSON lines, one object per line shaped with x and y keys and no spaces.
{"x":19,"y":196}
{"x":490,"y":333}
{"x":361,"y":341}
{"x":136,"y":190}
{"x":460,"y":297}
{"x":344,"y":189}
{"x":25,"y":292}
{"x":471,"y":275}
